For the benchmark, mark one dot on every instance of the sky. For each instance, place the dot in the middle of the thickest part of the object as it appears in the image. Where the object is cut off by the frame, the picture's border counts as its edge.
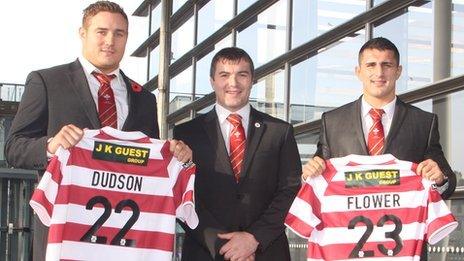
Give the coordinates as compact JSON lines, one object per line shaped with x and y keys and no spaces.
{"x":38,"y":34}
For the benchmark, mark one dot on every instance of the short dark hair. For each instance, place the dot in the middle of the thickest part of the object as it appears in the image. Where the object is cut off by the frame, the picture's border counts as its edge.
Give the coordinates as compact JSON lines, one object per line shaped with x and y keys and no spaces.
{"x":382,"y":44}
{"x":231,"y":54}
{"x":101,"y":6}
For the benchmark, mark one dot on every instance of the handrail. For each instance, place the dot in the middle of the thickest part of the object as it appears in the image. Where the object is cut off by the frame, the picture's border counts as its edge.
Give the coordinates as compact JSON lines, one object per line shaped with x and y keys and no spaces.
{"x":458,"y":193}
{"x":12,"y":173}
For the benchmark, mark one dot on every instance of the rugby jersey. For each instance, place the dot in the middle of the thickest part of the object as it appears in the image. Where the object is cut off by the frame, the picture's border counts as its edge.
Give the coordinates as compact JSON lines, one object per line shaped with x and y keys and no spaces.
{"x":114,"y":196}
{"x":369,"y":207}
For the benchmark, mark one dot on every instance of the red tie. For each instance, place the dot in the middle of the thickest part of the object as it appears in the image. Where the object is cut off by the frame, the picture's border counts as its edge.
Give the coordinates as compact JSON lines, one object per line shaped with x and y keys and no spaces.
{"x":376,"y":136}
{"x":237,"y":144}
{"x":106,"y":104}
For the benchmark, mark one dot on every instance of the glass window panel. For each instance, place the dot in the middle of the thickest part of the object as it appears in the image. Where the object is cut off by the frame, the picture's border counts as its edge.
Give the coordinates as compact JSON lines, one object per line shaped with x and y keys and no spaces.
{"x":456,"y":141}
{"x":213,"y":16}
{"x":180,"y":90}
{"x":457,"y":38}
{"x":307,"y":145}
{"x":326,"y":80}
{"x":453,"y":137}
{"x":267,"y":95}
{"x":182,"y":40}
{"x":244,"y":4}
{"x":377,"y":2}
{"x":154,"y":63}
{"x":412,"y":34}
{"x":313,"y":18}
{"x":265,"y":39}
{"x":155,"y":18}
{"x":176,"y":4}
{"x":426,"y":105}
{"x":203,"y":85}
{"x":205,"y":110}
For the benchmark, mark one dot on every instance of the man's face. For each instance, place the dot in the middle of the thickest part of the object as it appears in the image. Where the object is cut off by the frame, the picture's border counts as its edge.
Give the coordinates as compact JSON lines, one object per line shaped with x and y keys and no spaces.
{"x":378,"y":71}
{"x":232,"y":83}
{"x":104,"y":40}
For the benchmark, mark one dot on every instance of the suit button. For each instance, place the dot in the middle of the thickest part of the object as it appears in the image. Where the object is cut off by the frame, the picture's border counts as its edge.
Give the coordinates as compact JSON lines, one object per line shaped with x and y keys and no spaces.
{"x":239,"y":196}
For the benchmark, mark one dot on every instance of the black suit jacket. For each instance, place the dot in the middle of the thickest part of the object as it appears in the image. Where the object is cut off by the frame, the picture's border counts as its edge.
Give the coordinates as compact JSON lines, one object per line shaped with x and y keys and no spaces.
{"x":56,"y":97}
{"x":258,"y":204}
{"x":413,"y":136}
{"x":59,"y":96}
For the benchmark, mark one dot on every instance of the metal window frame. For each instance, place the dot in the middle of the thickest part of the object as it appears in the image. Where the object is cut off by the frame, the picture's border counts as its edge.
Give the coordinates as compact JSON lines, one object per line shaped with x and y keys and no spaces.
{"x":207,"y":45}
{"x":145,"y":7}
{"x":458,"y":193}
{"x":184,"y":13}
{"x":434,"y":90}
{"x":291,"y":57}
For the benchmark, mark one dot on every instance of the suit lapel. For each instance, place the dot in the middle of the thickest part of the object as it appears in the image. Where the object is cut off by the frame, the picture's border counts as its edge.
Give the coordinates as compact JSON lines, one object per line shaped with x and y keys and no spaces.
{"x":213,"y":130}
{"x":358,"y":127}
{"x":256,"y":130}
{"x":397,"y":121}
{"x":81,"y":88}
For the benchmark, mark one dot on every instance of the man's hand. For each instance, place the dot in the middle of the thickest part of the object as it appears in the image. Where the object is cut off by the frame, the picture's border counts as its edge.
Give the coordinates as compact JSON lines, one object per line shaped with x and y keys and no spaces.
{"x":250,"y":258}
{"x":314,"y":167}
{"x":430,"y":170}
{"x":241,"y":246}
{"x":67,"y":137}
{"x":180,"y":150}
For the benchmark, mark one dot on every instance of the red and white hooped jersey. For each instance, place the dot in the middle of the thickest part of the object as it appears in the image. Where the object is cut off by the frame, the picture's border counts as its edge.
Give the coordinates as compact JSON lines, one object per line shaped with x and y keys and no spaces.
{"x":369,"y":207}
{"x":114,"y":196}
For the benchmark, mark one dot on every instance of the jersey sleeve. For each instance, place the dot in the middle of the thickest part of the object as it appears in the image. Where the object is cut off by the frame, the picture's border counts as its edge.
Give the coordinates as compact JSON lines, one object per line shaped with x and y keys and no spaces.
{"x":440,"y":221}
{"x":184,"y":197}
{"x":304,"y":212}
{"x":44,"y":196}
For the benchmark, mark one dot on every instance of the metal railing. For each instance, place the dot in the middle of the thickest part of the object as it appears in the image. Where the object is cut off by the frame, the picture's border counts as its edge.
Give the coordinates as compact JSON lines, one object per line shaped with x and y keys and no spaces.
{"x":16,"y":187}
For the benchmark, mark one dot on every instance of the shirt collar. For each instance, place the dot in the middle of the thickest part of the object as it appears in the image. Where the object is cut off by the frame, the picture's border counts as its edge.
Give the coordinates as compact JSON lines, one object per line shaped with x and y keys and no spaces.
{"x":223,"y":113}
{"x":89,"y":68}
{"x":388,"y":108}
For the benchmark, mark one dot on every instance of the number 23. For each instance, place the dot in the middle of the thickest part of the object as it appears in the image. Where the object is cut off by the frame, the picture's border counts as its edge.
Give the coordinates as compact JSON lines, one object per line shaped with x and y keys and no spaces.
{"x":395,"y":235}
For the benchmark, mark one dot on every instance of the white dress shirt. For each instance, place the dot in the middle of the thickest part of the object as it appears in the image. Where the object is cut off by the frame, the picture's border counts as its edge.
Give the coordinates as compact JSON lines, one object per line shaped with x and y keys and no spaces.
{"x":226,"y":126}
{"x":367,"y":121}
{"x":117,"y":84}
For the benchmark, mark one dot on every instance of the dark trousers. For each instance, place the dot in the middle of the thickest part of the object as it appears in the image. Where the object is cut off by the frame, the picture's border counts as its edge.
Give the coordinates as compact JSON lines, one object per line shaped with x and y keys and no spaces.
{"x":39,"y":239}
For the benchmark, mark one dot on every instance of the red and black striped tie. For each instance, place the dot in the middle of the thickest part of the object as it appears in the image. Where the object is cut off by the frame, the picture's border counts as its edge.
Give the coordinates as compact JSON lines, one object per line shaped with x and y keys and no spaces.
{"x":376,"y":137}
{"x":106,"y":103}
{"x":237,"y":144}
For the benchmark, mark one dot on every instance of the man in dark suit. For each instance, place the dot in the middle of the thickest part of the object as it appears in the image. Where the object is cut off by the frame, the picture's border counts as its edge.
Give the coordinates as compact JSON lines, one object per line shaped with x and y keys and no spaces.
{"x":61,"y":101}
{"x":241,"y":207}
{"x":410,"y":133}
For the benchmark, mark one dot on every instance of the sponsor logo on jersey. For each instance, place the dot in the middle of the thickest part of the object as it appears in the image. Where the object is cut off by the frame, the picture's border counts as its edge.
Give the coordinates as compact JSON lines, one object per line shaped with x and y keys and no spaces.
{"x":376,"y":177}
{"x":119,"y":153}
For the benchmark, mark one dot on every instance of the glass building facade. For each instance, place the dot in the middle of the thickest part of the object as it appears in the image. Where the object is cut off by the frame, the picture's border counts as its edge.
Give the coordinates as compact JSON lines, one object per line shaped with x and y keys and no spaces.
{"x":305,"y":52}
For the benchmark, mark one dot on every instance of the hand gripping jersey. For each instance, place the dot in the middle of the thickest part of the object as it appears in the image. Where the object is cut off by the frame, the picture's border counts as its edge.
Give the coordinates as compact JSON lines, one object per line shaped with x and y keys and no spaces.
{"x":369,"y":207}
{"x":114,"y":196}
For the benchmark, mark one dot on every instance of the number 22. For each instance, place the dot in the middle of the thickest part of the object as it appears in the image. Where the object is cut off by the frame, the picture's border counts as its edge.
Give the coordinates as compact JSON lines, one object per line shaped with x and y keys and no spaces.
{"x":118,"y":239}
